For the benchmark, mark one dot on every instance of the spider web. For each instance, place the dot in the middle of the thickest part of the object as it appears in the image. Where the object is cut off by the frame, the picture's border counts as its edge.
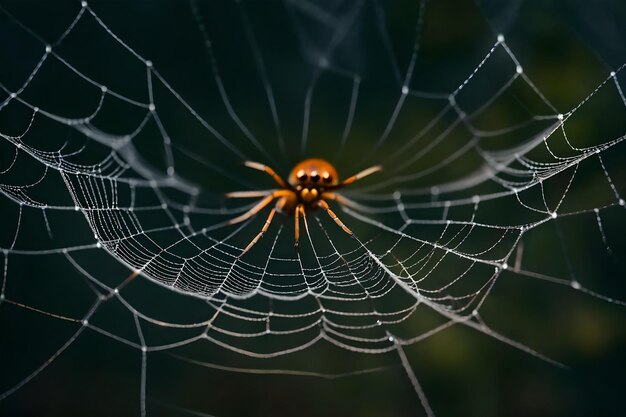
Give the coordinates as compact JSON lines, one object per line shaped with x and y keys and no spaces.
{"x":115,"y":166}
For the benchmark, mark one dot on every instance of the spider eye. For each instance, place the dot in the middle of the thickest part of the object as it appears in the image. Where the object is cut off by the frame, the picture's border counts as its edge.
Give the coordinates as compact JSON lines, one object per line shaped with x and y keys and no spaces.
{"x":301,"y":175}
{"x":315,"y":177}
{"x":327,"y":178}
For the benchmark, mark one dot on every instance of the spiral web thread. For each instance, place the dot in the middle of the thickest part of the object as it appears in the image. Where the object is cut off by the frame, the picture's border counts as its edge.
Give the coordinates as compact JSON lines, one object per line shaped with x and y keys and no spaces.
{"x":427,"y":246}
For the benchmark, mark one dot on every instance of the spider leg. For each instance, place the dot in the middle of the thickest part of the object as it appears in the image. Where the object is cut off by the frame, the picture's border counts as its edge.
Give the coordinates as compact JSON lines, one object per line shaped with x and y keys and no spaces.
{"x":297,"y":224}
{"x":254,"y":210}
{"x":248,"y":194}
{"x":266,"y":226}
{"x":323,"y":204}
{"x":358,"y":176}
{"x":260,"y":167}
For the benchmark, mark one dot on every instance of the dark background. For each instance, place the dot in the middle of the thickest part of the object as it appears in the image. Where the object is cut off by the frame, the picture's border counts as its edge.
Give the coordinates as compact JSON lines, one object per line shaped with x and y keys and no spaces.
{"x":567,"y":48}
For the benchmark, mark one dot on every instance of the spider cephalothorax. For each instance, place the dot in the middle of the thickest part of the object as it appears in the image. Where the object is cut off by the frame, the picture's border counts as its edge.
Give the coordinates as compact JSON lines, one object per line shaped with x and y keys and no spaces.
{"x":310,"y":184}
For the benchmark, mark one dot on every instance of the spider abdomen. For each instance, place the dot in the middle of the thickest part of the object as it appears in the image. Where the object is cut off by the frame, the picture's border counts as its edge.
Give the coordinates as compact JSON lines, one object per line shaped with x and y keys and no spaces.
{"x":313,"y":172}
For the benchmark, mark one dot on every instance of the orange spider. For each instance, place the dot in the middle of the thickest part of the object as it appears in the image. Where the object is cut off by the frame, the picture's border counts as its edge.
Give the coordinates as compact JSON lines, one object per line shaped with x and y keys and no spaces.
{"x":311,"y":183}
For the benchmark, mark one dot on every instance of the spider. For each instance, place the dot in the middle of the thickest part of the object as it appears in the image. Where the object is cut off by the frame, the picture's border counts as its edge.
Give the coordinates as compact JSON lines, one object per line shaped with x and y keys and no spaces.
{"x":310,"y":184}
